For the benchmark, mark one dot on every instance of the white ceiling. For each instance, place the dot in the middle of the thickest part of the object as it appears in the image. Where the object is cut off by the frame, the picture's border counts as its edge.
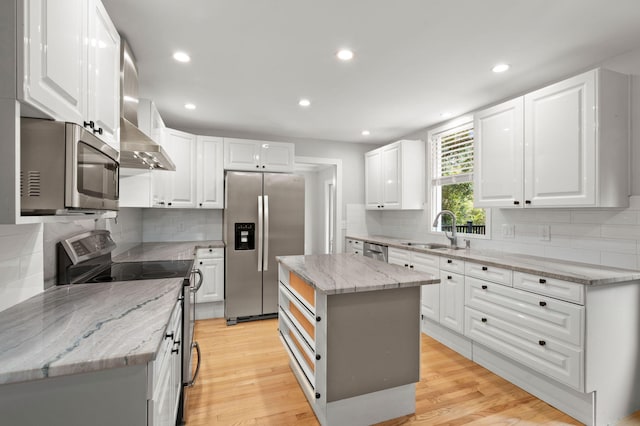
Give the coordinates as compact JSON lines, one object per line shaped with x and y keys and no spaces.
{"x":252,"y":60}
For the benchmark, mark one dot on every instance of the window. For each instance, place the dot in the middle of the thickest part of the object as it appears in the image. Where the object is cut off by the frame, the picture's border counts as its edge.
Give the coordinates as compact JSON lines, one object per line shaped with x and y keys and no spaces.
{"x":452,"y":179}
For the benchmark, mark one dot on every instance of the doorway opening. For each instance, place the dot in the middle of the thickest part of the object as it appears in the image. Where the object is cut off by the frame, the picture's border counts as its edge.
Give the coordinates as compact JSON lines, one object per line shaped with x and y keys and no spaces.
{"x":323,"y":204}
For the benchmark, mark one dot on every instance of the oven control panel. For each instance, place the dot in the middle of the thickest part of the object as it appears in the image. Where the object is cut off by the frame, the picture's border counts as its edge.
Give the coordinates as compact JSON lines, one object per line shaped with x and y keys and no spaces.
{"x":88,"y":245}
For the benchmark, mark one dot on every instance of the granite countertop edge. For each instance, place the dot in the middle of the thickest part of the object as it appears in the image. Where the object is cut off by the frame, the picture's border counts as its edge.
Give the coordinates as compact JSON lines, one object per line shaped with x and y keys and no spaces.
{"x":319,"y":272}
{"x":62,"y":330}
{"x":591,"y":274}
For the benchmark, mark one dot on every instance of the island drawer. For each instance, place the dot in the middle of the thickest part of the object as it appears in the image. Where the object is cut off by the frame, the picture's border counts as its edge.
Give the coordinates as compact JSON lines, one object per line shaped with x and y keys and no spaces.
{"x":302,"y":291}
{"x":452,"y":265}
{"x":298,"y":314}
{"x":564,"y":290}
{"x":547,"y":316}
{"x":489,"y":273}
{"x":299,"y":351}
{"x":530,"y":348}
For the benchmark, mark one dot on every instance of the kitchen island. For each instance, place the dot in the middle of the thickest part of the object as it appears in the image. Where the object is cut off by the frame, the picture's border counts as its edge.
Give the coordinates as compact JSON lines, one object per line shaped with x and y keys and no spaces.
{"x":351,"y":326}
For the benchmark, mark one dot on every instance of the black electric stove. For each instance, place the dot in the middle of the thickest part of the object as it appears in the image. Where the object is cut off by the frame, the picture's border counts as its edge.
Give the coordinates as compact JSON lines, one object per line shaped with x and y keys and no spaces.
{"x":145,"y":270}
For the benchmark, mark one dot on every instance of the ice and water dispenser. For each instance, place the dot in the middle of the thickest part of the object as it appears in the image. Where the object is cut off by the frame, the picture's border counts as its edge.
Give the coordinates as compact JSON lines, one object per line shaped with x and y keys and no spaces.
{"x":245,"y":236}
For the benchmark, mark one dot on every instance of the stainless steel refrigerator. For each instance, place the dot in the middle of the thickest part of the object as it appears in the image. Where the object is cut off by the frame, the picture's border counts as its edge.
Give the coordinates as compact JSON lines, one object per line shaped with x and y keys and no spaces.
{"x":263,"y":218}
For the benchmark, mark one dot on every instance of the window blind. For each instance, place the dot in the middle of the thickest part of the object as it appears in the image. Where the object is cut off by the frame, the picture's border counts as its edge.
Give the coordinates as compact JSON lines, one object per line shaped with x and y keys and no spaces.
{"x":452,"y":155}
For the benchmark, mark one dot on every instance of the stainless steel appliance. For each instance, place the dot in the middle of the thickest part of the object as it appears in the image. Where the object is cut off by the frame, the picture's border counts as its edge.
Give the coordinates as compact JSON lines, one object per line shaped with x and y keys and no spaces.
{"x":263,"y":218}
{"x":86,"y":258}
{"x":375,"y":251}
{"x":137,"y":150}
{"x":64,"y":168}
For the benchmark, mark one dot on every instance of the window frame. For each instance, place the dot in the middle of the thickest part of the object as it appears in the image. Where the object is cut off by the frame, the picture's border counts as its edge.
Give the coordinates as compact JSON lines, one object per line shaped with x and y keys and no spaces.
{"x":434,"y":195}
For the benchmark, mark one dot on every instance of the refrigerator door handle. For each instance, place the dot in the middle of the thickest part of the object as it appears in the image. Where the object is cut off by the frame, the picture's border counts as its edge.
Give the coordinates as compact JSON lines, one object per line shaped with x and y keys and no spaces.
{"x":265,"y":261}
{"x":260,"y":224}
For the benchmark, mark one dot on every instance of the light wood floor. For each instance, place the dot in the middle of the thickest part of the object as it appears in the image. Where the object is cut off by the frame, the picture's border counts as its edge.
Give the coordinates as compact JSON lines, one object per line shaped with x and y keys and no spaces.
{"x":245,"y":380}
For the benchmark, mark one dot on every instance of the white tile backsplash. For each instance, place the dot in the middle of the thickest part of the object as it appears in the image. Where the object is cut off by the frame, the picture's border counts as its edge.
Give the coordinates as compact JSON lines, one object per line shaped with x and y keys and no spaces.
{"x":181,"y":225}
{"x":21,"y":263}
{"x":608,"y":237}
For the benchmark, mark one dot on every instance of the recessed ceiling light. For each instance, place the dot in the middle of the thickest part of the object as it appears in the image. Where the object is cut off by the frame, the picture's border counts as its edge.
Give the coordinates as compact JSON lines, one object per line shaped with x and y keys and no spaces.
{"x":366,"y":133}
{"x":500,"y":68}
{"x":446,"y":114}
{"x":181,"y":57}
{"x":304,"y":102}
{"x":189,"y":106}
{"x":345,"y":55}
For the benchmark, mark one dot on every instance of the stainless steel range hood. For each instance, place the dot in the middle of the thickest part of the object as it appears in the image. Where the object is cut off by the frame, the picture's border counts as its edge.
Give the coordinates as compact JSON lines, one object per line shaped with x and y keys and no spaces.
{"x":137,"y":149}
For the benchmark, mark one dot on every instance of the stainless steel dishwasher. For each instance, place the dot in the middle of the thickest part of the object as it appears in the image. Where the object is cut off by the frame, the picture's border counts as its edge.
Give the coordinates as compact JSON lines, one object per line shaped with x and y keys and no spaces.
{"x":376,"y":251}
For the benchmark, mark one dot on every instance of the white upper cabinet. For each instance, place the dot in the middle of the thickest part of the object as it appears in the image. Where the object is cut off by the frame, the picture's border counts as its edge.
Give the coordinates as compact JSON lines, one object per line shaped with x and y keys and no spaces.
{"x":54,"y":57}
{"x":253,"y":155}
{"x":569,"y":149}
{"x":394,"y":176}
{"x":210,"y":173}
{"x":498,"y":155}
{"x":70,"y":64}
{"x":198,"y":180}
{"x":180,"y":186}
{"x":103,"y":92}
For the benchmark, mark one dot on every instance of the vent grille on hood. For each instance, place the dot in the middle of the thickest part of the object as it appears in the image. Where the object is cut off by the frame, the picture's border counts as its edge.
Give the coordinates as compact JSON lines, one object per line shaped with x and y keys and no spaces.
{"x":137,"y":150}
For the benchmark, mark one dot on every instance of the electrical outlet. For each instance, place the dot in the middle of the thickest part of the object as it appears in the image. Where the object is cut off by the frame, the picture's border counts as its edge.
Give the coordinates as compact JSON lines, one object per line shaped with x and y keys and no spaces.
{"x":544,"y":232}
{"x":508,"y":230}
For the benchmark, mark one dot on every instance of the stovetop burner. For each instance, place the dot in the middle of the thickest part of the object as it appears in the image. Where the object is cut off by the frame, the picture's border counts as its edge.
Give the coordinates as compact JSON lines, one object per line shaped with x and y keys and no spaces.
{"x":146,"y":270}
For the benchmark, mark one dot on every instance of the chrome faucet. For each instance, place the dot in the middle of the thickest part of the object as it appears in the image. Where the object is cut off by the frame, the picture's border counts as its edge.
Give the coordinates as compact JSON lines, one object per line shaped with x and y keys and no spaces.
{"x":454,"y":236}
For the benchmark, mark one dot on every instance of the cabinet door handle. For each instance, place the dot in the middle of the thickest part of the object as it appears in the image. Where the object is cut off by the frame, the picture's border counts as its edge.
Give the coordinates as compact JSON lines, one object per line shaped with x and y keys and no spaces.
{"x":257,"y":166}
{"x":543,"y":281}
{"x":517,"y":203}
{"x":317,"y":395}
{"x":89,"y":124}
{"x":169,"y":203}
{"x":318,"y":357}
{"x":411,"y":266}
{"x":542,"y":342}
{"x":406,"y":265}
{"x":543,"y":303}
{"x":201,"y":263}
{"x":484,"y":268}
{"x":484,"y":287}
{"x":527,"y":201}
{"x":169,"y":335}
{"x":263,"y":167}
{"x":200,"y":204}
{"x":449,"y":277}
{"x":449,"y":261}
{"x":175,"y":350}
{"x":98,"y":130}
{"x":483,"y":320}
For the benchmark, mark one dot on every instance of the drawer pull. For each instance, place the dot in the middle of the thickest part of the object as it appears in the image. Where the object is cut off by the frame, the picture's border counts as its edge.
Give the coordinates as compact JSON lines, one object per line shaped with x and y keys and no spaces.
{"x":318,"y":319}
{"x":542,"y":342}
{"x":543,"y":303}
{"x":484,"y":287}
{"x":410,"y":266}
{"x":318,"y":357}
{"x":317,"y":395}
{"x":543,"y":281}
{"x":406,"y":265}
{"x":449,"y":277}
{"x":449,"y":261}
{"x":169,"y":336}
{"x":484,"y":268}
{"x":483,"y":320}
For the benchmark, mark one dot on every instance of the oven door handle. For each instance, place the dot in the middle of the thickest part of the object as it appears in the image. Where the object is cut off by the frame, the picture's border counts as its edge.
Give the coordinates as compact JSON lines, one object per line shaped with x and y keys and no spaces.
{"x":195,"y":288}
{"x":195,"y":374}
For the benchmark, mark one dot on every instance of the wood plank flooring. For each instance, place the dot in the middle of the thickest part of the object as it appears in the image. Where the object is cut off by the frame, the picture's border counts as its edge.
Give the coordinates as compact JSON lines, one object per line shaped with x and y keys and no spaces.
{"x":245,"y":380}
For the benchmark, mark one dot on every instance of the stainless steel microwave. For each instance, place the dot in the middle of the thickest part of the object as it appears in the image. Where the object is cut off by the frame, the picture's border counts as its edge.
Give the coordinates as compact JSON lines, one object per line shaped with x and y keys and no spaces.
{"x":65,"y":169}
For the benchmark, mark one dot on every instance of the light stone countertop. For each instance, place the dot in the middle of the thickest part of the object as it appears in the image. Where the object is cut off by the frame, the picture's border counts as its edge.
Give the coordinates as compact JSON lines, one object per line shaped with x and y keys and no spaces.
{"x":88,"y":327}
{"x":582,"y":273}
{"x":180,"y":250}
{"x":85,"y":327}
{"x":350,"y":273}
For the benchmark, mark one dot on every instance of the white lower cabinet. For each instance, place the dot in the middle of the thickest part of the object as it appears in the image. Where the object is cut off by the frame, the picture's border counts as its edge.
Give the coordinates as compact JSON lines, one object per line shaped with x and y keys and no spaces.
{"x":210,"y":261}
{"x":166,"y":375}
{"x":355,"y":246}
{"x":429,"y":294}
